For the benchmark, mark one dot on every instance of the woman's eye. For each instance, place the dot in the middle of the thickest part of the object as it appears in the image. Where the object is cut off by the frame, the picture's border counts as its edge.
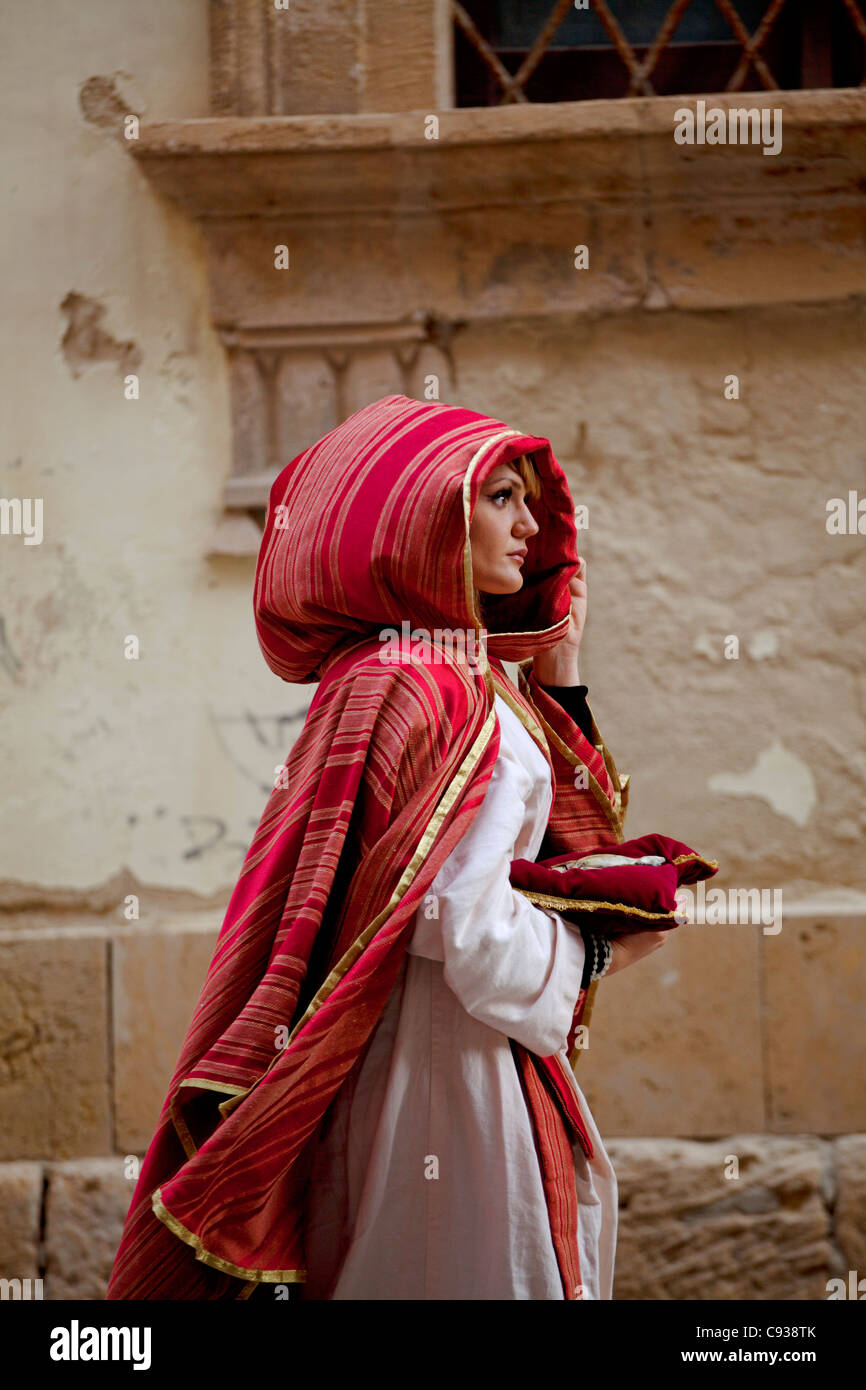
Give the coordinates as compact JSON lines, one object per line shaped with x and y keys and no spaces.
{"x":503,"y":492}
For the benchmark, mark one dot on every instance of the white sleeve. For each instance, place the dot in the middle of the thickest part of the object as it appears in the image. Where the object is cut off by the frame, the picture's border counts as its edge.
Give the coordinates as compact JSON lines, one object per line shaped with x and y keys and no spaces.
{"x":513,"y":966}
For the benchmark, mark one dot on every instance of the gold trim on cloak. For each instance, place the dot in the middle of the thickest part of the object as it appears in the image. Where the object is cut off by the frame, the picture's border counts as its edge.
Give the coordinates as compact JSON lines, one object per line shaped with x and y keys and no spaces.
{"x":236,"y":1094}
{"x":206,"y":1084}
{"x":613,"y":816}
{"x":446,"y":801}
{"x":535,"y":730}
{"x":255,"y":1276}
{"x":592,"y":989}
{"x":620,"y":784}
{"x":202,"y":1084}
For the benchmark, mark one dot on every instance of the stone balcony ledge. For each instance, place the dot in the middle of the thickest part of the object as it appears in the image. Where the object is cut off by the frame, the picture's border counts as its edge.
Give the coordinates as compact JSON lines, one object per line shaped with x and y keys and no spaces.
{"x":267,"y":166}
{"x":667,"y":225}
{"x":394,"y":243}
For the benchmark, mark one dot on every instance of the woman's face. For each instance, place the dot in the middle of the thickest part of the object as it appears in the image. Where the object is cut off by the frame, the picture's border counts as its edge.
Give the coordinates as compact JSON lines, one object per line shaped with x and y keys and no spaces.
{"x":498,"y":531}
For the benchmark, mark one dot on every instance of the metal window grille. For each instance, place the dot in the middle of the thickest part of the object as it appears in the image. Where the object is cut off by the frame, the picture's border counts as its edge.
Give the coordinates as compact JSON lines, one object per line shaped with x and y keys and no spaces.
{"x":537,"y":50}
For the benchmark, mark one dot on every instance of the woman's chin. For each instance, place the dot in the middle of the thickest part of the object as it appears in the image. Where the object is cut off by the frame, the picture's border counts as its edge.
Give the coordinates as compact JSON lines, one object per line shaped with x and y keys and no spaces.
{"x":505,"y":586}
{"x":516,"y":582}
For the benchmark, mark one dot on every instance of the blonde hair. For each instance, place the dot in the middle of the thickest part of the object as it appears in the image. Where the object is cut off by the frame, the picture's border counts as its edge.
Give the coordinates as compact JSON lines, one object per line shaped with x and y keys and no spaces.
{"x":525,"y":465}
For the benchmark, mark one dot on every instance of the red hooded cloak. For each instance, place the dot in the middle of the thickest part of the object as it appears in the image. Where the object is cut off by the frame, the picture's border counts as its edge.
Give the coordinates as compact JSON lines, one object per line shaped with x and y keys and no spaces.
{"x":366,"y":528}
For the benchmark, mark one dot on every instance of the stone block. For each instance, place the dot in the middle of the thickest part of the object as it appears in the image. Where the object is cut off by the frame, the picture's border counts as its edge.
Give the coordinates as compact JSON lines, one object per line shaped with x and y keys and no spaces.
{"x":157,"y":978}
{"x":54,"y":1092}
{"x":305,"y":404}
{"x":431,"y":362}
{"x":711,"y":258}
{"x":674,"y":1041}
{"x":369,"y":376}
{"x":815,"y":985}
{"x":688,"y":1231}
{"x":850,"y":1211}
{"x":86,"y":1205}
{"x":20,"y":1210}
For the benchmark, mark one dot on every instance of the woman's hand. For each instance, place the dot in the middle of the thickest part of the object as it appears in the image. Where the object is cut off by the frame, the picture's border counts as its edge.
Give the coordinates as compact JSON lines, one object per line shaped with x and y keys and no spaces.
{"x":558,"y":666}
{"x":631,"y":948}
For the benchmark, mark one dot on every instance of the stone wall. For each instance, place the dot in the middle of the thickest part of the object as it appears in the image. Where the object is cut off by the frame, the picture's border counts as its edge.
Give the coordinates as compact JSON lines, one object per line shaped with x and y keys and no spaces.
{"x":137,"y":784}
{"x":749,"y":1217}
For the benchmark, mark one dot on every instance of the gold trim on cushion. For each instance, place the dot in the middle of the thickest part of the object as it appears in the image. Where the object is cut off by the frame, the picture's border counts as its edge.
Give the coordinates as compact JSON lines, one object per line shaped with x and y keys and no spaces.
{"x":695,"y":859}
{"x":258,"y":1276}
{"x":581,"y":905}
{"x":446,"y":802}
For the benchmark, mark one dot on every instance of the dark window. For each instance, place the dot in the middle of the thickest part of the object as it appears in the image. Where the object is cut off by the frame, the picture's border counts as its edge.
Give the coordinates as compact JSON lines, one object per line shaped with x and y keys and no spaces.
{"x":546,"y":50}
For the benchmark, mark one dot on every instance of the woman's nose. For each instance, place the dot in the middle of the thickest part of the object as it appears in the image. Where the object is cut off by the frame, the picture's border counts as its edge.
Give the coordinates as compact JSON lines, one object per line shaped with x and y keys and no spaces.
{"x":527,"y":522}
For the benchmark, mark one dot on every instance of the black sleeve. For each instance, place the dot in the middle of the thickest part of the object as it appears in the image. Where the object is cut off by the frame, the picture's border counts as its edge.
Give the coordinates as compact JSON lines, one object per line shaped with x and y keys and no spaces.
{"x":588,"y":959}
{"x":573,"y":701}
{"x":572,"y":698}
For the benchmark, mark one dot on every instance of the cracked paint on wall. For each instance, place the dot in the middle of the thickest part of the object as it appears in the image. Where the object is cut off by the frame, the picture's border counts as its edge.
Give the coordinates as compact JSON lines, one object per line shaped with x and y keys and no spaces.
{"x":86,"y":342}
{"x":778,"y":777}
{"x":102,"y":104}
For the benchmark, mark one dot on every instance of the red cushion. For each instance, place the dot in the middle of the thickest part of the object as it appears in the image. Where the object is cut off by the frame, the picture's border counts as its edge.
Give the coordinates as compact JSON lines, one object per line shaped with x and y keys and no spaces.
{"x":616,"y":896}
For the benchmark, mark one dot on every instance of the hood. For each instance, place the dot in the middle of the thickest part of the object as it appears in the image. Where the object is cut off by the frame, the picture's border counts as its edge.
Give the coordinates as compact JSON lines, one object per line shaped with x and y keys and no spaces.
{"x":370,"y":526}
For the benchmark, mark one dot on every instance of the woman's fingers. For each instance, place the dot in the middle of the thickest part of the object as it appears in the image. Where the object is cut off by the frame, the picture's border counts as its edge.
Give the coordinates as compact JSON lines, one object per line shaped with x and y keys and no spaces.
{"x":628,"y":949}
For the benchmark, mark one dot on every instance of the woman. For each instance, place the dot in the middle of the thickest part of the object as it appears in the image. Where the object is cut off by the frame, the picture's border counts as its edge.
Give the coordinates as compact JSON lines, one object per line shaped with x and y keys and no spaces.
{"x":379,"y":996}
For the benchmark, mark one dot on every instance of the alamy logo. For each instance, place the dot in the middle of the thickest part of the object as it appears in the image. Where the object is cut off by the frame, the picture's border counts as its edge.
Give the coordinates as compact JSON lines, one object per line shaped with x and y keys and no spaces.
{"x":23,"y":1289}
{"x":409,"y":644}
{"x":855,"y":1288}
{"x":739,"y":125}
{"x":22,"y":516}
{"x":75,"y":1343}
{"x":738,"y":905}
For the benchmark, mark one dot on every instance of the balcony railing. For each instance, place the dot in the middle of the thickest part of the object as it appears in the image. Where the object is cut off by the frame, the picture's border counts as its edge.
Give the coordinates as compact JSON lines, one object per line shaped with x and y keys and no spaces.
{"x":536,"y":50}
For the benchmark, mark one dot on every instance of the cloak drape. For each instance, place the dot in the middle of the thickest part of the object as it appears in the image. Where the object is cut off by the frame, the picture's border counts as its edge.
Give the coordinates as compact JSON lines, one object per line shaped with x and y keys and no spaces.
{"x":366,"y":528}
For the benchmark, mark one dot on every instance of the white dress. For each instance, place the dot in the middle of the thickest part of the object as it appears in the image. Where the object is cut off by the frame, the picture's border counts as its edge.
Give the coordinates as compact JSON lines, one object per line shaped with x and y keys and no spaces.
{"x":425,"y":1182}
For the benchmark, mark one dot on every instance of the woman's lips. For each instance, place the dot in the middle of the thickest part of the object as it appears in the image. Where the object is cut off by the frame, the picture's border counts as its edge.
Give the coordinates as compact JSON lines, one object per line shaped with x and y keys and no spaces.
{"x":517,"y":555}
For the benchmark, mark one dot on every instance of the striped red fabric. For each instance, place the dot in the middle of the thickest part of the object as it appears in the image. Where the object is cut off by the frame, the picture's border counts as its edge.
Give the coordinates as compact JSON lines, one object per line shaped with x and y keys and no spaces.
{"x":552,"y":1137}
{"x":366,"y":528}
